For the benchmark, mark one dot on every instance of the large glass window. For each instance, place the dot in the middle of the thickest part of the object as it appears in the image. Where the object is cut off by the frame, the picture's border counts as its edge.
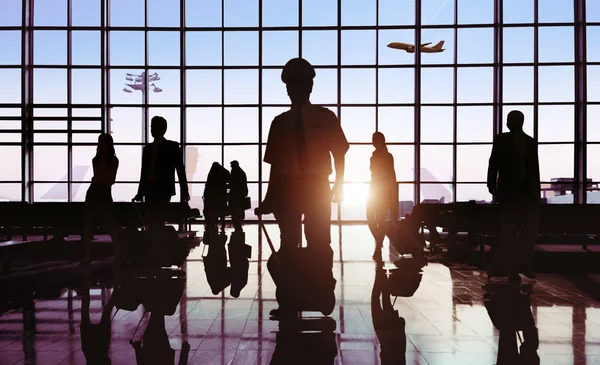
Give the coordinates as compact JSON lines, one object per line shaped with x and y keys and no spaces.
{"x":211,"y":95}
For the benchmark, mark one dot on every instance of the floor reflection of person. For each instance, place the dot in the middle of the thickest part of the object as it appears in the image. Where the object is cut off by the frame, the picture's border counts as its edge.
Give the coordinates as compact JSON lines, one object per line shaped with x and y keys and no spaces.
{"x":389,"y":326}
{"x":383,"y":192}
{"x":95,"y":337}
{"x":509,"y":309}
{"x":98,"y":198}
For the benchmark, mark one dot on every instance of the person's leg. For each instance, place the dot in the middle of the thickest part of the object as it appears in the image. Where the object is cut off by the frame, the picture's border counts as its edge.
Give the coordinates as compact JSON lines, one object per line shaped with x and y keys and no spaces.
{"x":317,"y":219}
{"x":528,"y":238}
{"x":373,"y":225}
{"x":237,"y":216}
{"x":88,"y":226}
{"x":289,"y":221}
{"x":112,"y":227}
{"x":502,"y":263}
{"x":157,"y":205}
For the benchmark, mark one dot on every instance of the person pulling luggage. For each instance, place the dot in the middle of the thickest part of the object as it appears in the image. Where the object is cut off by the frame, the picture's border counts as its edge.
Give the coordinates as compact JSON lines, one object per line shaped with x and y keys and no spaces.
{"x":299,"y":148}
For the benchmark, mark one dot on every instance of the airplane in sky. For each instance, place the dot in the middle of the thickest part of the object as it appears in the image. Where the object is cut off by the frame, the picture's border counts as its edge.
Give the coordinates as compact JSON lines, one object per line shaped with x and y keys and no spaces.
{"x":411,"y":48}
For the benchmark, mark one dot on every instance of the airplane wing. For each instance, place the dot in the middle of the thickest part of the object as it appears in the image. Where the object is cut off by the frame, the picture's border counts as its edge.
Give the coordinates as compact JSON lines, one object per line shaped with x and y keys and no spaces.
{"x":425,"y":44}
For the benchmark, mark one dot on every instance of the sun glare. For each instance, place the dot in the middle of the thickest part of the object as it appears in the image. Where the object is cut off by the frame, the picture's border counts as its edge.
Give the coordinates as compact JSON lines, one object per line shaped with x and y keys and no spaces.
{"x":356,"y":193}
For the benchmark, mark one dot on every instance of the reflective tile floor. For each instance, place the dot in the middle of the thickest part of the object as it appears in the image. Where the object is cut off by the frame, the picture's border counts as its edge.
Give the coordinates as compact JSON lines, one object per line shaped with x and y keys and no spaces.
{"x":444,"y":322}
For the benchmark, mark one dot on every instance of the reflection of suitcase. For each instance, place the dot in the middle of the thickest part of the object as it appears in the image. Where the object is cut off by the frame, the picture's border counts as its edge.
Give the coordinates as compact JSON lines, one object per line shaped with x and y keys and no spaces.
{"x":178,"y":247}
{"x":404,"y":239}
{"x":304,"y":279}
{"x":159,"y":291}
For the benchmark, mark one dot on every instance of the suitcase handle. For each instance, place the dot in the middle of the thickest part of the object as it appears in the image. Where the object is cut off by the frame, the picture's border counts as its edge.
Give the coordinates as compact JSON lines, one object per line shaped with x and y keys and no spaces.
{"x":137,"y":210}
{"x":264,"y":229}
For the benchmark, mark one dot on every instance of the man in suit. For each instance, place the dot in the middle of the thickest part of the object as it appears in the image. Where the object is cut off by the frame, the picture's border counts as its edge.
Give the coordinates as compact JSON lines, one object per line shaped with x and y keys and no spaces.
{"x":514,"y":180}
{"x":160,"y":160}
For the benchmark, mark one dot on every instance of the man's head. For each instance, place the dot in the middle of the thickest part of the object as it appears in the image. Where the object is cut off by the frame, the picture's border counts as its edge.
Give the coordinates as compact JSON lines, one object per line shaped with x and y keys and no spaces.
{"x":298,"y":75}
{"x":234,"y":164}
{"x":158,"y":126}
{"x":515,"y":121}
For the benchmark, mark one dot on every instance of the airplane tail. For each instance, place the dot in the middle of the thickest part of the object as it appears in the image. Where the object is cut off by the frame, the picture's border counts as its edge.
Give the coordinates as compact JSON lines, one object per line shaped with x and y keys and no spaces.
{"x":438,"y":46}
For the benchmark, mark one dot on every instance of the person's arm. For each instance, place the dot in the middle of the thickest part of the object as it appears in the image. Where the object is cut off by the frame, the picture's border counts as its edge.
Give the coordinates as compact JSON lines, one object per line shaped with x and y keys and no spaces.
{"x":180,"y":167}
{"x":271,"y":154}
{"x":142,"y":185}
{"x":114,"y":167}
{"x":395,"y":209}
{"x":536,"y":169}
{"x":245,"y":184}
{"x":338,"y":146}
{"x":493,"y":166}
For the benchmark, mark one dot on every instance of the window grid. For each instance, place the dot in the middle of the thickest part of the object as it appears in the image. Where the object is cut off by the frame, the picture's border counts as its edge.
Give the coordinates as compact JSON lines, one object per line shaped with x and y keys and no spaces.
{"x":105,"y":106}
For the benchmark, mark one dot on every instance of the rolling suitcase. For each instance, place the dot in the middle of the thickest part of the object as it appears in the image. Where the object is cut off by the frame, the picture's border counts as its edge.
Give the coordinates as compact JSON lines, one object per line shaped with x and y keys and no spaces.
{"x":173,"y":251}
{"x":304,"y":279}
{"x":159,"y":291}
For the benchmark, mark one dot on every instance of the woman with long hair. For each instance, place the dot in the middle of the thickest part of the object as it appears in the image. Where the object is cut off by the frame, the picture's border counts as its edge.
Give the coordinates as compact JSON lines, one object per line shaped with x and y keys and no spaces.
{"x":98,"y":199}
{"x":383,"y":192}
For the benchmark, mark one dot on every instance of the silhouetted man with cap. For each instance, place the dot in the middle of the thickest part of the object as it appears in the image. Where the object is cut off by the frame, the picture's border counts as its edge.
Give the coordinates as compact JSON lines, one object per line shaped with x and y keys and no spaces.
{"x":514,"y":180}
{"x":160,"y":160}
{"x":300,"y":144}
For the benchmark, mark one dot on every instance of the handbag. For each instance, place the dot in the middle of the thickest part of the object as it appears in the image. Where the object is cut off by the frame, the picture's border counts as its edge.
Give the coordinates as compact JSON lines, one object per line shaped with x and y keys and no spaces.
{"x":246,"y":204}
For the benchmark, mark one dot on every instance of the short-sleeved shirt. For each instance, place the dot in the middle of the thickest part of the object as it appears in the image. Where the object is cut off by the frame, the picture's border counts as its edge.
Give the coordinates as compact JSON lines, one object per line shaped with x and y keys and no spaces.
{"x":323,"y":136}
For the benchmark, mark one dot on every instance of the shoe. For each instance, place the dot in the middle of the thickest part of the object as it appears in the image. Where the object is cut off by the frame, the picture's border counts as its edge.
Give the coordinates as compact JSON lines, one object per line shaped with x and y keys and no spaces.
{"x":516,"y":278}
{"x":377,"y":254}
{"x":529,"y":277}
{"x":497,"y":279}
{"x":279,"y":313}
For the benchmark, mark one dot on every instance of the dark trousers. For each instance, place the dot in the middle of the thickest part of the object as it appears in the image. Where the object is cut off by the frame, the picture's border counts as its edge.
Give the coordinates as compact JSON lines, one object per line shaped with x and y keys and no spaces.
{"x":157,"y":203}
{"x":237,"y":215}
{"x":310,"y":197}
{"x":513,"y":252}
{"x":99,"y":205}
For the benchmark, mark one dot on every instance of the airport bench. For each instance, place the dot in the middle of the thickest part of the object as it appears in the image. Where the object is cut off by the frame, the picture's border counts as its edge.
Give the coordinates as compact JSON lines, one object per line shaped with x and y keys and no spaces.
{"x":62,"y":219}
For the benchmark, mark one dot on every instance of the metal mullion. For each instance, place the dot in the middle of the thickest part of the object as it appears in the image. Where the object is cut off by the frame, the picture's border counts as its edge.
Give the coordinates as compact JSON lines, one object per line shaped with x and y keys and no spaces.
{"x":27,"y":188}
{"x":455,"y":101}
{"x":377,"y":68}
{"x":182,"y":81}
{"x":417,"y":110}
{"x":536,"y":69}
{"x":103,"y":69}
{"x":106,"y":66}
{"x":69,"y":98}
{"x":498,"y":73}
{"x":145,"y":109}
{"x":222,"y":82}
{"x":580,"y":163}
{"x":288,"y":28}
{"x":339,"y":86}
{"x":299,"y":26}
{"x":260,"y":98}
